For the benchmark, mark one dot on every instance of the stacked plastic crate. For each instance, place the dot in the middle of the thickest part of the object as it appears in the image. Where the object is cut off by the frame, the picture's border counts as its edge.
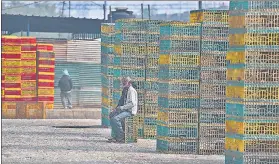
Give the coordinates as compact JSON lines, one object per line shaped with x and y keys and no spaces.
{"x":131,"y":46}
{"x":177,"y":123}
{"x":29,"y":72}
{"x":214,"y":46}
{"x":252,"y":124}
{"x":11,"y":75}
{"x":107,"y":57}
{"x":152,"y":71}
{"x":45,"y":68}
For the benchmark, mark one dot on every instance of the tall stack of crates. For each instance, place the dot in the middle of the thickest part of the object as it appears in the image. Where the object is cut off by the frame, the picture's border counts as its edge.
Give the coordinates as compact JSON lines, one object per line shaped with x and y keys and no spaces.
{"x":29,"y":71}
{"x":252,"y":107}
{"x":131,"y":46}
{"x":11,"y":75}
{"x":45,"y":78}
{"x":22,"y":74}
{"x":152,"y":33}
{"x":107,"y":59}
{"x":214,"y":46}
{"x":177,"y":123}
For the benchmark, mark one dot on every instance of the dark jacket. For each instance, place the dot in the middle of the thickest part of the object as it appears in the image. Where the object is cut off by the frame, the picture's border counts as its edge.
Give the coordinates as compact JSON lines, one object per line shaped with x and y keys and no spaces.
{"x":65,"y":83}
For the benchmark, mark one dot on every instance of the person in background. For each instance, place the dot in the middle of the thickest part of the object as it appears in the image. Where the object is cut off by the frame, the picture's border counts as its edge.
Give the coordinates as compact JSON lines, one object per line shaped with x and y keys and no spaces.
{"x":127,"y":107}
{"x":66,"y":86}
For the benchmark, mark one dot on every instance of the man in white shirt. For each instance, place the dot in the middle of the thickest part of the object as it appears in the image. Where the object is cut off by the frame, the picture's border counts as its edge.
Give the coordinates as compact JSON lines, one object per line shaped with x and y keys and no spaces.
{"x":127,"y":107}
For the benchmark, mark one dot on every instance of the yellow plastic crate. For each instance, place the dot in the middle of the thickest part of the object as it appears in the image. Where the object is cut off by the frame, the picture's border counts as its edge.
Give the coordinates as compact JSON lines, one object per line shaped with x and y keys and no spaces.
{"x":11,"y":63}
{"x":28,"y":55}
{"x":236,"y":21}
{"x":235,"y":92}
{"x":236,"y":57}
{"x":236,"y":39}
{"x":28,"y":70}
{"x":28,"y":63}
{"x":12,"y":78}
{"x":235,"y":74}
{"x":28,"y":93}
{"x":28,"y":83}
{"x":263,"y":93}
{"x":11,"y":70}
{"x":11,"y":48}
{"x":46,"y":91}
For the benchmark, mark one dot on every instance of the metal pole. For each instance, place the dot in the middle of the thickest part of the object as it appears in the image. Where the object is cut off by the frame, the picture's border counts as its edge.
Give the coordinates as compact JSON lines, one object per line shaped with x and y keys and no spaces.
{"x":142,"y":11}
{"x":63,"y":9}
{"x":28,"y":27}
{"x":200,"y":5}
{"x":110,"y":15}
{"x":105,"y":10}
{"x":149,"y":14}
{"x":69,"y":9}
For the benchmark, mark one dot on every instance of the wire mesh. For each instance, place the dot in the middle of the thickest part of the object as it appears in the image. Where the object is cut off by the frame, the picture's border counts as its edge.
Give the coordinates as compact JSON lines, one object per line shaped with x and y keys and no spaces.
{"x":252,"y":98}
{"x":107,"y":70}
{"x":177,"y":124}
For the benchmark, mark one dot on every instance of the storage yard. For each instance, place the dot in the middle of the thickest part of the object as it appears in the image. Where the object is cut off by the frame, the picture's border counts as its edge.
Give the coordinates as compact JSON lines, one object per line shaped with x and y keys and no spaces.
{"x":206,"y":87}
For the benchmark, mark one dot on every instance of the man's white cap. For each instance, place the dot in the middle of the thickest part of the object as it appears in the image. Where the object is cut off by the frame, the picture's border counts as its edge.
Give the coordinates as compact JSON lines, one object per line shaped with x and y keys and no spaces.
{"x":128,"y":79}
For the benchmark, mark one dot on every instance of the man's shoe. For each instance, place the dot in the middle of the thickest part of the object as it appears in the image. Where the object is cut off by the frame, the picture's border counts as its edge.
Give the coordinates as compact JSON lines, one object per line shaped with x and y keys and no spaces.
{"x":120,"y":141}
{"x":110,"y":140}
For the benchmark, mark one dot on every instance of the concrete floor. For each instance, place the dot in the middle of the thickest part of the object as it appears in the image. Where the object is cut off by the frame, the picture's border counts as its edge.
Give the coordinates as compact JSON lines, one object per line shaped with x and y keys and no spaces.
{"x":51,"y":141}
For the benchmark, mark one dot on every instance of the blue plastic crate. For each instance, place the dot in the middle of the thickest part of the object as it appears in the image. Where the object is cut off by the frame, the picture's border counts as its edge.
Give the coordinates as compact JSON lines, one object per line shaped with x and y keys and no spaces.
{"x":150,"y":121}
{"x":215,"y":46}
{"x":177,"y":147}
{"x":188,"y":132}
{"x":166,"y":73}
{"x":178,"y":103}
{"x":239,"y":5}
{"x":189,"y":88}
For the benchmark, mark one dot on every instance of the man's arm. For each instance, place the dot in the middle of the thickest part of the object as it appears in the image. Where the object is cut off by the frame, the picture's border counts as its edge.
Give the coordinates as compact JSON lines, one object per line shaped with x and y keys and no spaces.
{"x":59,"y":83}
{"x":132,"y":103}
{"x":71,"y":83}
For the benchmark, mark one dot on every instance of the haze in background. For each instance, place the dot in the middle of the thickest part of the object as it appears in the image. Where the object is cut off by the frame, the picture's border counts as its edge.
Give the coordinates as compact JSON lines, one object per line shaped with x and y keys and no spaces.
{"x":170,"y":10}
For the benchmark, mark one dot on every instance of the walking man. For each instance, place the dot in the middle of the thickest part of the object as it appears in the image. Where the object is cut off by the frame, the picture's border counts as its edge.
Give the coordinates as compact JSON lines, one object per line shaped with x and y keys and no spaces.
{"x":66,"y":86}
{"x":127,"y":107}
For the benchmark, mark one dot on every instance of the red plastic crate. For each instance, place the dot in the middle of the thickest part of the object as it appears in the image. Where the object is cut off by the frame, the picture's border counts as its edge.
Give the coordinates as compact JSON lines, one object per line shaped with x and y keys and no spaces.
{"x":10,"y":99}
{"x":11,"y":55}
{"x":29,"y":77}
{"x":12,"y":92}
{"x":44,"y":98}
{"x":42,"y":69}
{"x":28,"y":99}
{"x":11,"y":40}
{"x":28,"y":40}
{"x":45,"y":84}
{"x":11,"y":85}
{"x":50,"y":55}
{"x":46,"y":77}
{"x":45,"y":47}
{"x":47,"y":62}
{"x":28,"y":47}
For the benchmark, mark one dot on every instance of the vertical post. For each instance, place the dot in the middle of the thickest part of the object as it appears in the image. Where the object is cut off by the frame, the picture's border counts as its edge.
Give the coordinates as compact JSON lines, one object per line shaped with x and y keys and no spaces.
{"x":142,"y":11}
{"x":110,"y":14}
{"x":105,"y":10}
{"x":28,"y":27}
{"x":200,"y":5}
{"x":69,"y":9}
{"x":149,"y":14}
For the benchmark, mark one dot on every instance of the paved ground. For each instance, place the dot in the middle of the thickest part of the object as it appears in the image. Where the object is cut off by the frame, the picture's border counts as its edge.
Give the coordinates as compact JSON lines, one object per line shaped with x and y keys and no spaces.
{"x":50,"y":141}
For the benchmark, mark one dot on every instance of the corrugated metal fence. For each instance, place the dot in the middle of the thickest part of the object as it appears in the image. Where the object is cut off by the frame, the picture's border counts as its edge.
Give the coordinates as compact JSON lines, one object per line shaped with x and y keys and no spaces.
{"x":82,"y":59}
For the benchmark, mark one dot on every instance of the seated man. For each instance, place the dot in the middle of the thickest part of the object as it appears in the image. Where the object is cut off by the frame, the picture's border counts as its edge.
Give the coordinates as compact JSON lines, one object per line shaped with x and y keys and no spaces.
{"x":127,"y":107}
